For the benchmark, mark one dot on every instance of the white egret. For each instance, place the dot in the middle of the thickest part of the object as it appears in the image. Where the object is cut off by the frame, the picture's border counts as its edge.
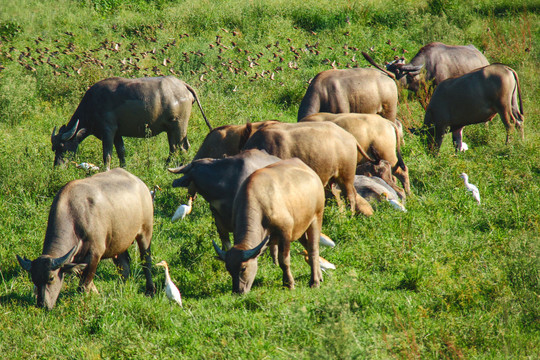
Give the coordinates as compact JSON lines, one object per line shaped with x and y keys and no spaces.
{"x":153,"y":192}
{"x":171,"y":290}
{"x":325,"y":264}
{"x":326,"y":241}
{"x":395,"y":203}
{"x":470,"y":187}
{"x":86,"y":166}
{"x":182,"y":211}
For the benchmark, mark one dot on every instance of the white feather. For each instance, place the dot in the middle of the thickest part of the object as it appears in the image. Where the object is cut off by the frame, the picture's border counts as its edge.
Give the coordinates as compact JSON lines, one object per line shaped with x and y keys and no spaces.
{"x":171,"y":290}
{"x":86,"y":166}
{"x":326,"y":241}
{"x":470,"y":187}
{"x":323,"y":263}
{"x":395,"y":203}
{"x":182,"y":211}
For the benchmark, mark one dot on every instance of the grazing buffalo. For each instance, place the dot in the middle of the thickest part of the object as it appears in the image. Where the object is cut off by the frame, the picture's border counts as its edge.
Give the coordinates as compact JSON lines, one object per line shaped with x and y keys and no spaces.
{"x":93,"y":219}
{"x":368,"y":91}
{"x":275,"y":206}
{"x":437,"y":62}
{"x":225,"y":140}
{"x":381,"y":169}
{"x":218,"y":181}
{"x":372,"y":187}
{"x":117,"y":107}
{"x":374,"y":133}
{"x":471,"y":99}
{"x":329,"y":150}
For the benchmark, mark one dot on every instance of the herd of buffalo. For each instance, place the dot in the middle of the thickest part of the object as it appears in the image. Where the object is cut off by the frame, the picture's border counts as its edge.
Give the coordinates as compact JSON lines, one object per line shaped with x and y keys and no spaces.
{"x":265,"y":182}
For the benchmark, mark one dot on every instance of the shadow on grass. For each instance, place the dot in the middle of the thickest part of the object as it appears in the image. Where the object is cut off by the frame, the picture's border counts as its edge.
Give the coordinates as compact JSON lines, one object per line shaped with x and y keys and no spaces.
{"x":17,"y":299}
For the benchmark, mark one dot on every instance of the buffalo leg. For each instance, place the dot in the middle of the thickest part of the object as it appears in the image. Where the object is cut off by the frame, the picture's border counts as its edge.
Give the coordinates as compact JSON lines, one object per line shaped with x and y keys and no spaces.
{"x":457,"y":138}
{"x":274,"y":253}
{"x":436,"y":139}
{"x":313,"y":234}
{"x":86,"y":284}
{"x":176,"y":140}
{"x":222,"y":231}
{"x":284,"y":257}
{"x":120,"y":149}
{"x":107,"y":151}
{"x":146,"y":259}
{"x":508,"y":121}
{"x":122,"y":262}
{"x":335,"y":190}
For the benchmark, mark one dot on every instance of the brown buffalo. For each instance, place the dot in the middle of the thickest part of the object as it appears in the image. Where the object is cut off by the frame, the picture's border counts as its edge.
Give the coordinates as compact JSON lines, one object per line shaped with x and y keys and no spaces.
{"x":226,"y":140}
{"x":381,"y":169}
{"x":117,"y":107}
{"x":93,"y":219}
{"x":275,"y":206}
{"x":377,"y":135}
{"x":368,"y":91}
{"x":471,"y":99}
{"x":435,"y":63}
{"x":329,"y":150}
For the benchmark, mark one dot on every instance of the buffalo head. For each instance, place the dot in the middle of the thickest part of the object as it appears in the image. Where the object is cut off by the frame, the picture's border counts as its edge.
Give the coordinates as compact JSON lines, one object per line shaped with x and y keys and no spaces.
{"x":48,"y":275}
{"x":67,"y":140}
{"x":241,"y":264}
{"x":409,"y":75}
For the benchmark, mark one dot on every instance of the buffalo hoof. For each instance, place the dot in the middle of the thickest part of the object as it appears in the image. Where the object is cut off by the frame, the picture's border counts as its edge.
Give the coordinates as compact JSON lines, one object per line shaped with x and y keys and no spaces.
{"x":150,"y":291}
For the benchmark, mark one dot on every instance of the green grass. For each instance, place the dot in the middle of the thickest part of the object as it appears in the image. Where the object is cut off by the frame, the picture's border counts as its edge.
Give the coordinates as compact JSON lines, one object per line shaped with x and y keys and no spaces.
{"x":448,"y":279}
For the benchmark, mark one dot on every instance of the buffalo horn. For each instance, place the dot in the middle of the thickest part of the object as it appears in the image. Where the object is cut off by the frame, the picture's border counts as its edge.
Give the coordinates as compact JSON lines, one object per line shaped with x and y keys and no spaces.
{"x":25,"y":263}
{"x":221,"y":253}
{"x":59,"y":262}
{"x":249,"y":254}
{"x":71,"y":132}
{"x":411,"y":68}
{"x":181,"y":169}
{"x":53,"y":134}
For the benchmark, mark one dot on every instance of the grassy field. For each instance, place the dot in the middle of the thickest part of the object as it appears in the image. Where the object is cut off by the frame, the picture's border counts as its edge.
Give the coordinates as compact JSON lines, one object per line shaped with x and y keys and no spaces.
{"x":448,"y":279}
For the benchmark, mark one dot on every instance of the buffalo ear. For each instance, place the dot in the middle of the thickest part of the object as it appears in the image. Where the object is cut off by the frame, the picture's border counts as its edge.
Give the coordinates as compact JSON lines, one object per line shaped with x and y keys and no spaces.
{"x":81,"y":134}
{"x":184,"y":181}
{"x":218,"y":258}
{"x":25,"y":263}
{"x":73,"y":268}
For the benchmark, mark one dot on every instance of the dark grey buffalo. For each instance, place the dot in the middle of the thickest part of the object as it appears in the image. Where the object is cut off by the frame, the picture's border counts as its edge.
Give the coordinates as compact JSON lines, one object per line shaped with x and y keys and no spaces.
{"x":218,"y":181}
{"x":93,"y":219}
{"x":117,"y":107}
{"x":437,"y":62}
{"x":367,"y":91}
{"x":474,"y":98}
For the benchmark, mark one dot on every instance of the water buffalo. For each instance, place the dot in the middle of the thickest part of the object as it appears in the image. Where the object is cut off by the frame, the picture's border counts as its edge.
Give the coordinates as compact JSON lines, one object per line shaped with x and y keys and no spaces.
{"x":437,"y":62}
{"x":372,"y":187}
{"x":374,"y":133}
{"x":92,"y":219}
{"x":275,"y":206}
{"x":359,"y":90}
{"x":218,"y":181}
{"x":381,"y":169}
{"x":329,"y":150}
{"x":474,"y":98}
{"x":117,"y":107}
{"x":226,"y":140}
